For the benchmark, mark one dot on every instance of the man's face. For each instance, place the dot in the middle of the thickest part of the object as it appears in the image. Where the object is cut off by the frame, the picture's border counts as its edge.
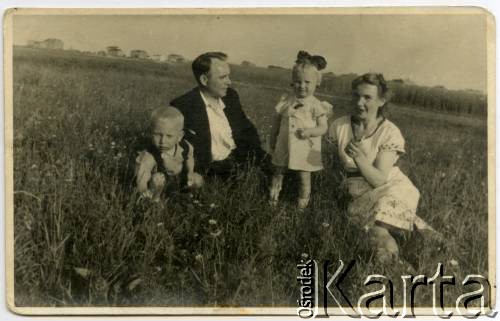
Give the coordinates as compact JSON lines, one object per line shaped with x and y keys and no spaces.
{"x":217,"y":80}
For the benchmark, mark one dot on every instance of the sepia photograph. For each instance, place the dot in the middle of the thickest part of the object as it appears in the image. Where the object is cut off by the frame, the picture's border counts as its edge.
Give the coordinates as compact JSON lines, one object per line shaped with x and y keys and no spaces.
{"x":312,"y":162}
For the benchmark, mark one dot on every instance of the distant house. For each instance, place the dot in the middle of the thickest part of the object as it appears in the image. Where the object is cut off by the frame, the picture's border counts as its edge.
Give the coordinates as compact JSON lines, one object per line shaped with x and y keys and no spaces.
{"x":329,"y":75}
{"x":398,"y":81}
{"x":158,"y":57}
{"x":33,"y":44}
{"x":114,"y":51}
{"x":275,"y":67}
{"x":246,"y":63}
{"x":50,"y":43}
{"x":175,"y":59}
{"x":139,"y":54}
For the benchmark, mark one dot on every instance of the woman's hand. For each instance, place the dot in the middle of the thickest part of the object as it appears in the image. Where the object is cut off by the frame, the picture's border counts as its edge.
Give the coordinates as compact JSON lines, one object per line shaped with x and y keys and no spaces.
{"x":353,"y":151}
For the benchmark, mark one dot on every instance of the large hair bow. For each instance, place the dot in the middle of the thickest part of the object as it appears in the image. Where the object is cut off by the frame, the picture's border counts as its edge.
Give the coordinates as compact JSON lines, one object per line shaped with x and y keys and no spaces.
{"x":318,"y":61}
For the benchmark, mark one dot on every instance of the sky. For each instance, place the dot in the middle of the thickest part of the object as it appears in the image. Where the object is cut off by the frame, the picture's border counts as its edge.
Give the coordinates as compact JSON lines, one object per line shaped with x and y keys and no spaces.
{"x":448,"y":50}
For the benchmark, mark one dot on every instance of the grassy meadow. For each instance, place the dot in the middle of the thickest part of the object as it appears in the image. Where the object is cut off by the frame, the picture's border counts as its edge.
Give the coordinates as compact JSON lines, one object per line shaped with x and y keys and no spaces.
{"x":78,"y":242}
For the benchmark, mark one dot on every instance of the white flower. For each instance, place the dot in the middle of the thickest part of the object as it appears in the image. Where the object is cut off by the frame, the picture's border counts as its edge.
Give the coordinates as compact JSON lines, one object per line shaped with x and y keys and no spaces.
{"x":325,"y":224}
{"x":212,"y":205}
{"x":216,"y":233}
{"x":198,"y":257}
{"x":453,"y":262}
{"x":304,"y":255}
{"x":212,"y":221}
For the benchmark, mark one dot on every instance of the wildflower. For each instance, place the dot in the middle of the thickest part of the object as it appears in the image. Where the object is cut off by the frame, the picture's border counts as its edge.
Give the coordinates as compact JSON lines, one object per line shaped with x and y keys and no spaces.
{"x":212,"y":205}
{"x":28,"y":222}
{"x":443,"y":174}
{"x":34,"y":166}
{"x":159,"y":224}
{"x":216,"y":233}
{"x":119,"y":155}
{"x":158,"y":268}
{"x":304,"y":255}
{"x":132,"y":285}
{"x":325,"y":224}
{"x":198,"y":257}
{"x":83,"y":272}
{"x":212,"y":221}
{"x":453,"y":262}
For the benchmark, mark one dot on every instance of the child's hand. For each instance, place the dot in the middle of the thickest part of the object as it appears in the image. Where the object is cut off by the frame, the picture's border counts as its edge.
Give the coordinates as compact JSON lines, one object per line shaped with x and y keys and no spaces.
{"x":190,"y":179}
{"x":194,"y":180}
{"x":303,"y":133}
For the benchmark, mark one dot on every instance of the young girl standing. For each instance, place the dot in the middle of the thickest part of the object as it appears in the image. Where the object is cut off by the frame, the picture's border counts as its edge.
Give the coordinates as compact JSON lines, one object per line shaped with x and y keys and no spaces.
{"x":300,"y":121}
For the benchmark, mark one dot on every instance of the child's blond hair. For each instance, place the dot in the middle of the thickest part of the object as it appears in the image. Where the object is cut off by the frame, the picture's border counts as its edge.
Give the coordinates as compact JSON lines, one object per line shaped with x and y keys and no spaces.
{"x":167,"y":113}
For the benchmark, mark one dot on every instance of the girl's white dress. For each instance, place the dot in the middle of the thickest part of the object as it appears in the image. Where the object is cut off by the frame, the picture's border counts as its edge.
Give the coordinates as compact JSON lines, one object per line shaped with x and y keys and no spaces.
{"x":291,"y":151}
{"x":393,"y":203}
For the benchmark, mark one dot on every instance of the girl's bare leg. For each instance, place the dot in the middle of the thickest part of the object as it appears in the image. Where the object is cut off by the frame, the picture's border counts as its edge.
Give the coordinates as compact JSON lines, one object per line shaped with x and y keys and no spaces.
{"x":276,"y":185}
{"x":305,"y":190}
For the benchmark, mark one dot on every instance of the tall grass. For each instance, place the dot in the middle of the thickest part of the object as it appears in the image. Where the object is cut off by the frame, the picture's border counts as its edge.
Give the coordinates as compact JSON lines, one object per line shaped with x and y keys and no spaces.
{"x":83,"y":239}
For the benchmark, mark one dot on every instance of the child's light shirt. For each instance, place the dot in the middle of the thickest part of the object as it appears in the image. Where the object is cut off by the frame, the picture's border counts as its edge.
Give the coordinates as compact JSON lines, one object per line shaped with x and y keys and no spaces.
{"x":291,"y":151}
{"x":173,"y":161}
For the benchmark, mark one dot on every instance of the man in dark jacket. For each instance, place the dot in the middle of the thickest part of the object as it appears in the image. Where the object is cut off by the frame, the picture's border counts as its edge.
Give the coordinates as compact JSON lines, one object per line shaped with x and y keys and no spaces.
{"x":215,"y":124}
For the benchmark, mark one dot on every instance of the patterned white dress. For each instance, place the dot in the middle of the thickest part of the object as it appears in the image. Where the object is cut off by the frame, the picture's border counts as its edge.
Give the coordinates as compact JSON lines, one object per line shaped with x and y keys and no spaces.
{"x":393,"y":203}
{"x":291,"y":151}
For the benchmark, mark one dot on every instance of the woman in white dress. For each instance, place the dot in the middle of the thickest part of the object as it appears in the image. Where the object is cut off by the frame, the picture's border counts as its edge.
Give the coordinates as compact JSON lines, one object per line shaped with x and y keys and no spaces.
{"x":382,"y":197}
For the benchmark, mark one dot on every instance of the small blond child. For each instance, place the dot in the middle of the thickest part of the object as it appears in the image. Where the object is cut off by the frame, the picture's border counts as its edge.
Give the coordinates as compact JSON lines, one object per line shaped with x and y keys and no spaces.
{"x":168,"y":158}
{"x":300,"y":121}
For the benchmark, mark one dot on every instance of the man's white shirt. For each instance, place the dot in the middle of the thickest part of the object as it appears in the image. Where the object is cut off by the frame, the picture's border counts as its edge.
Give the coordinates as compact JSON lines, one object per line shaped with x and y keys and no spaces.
{"x":220,"y":131}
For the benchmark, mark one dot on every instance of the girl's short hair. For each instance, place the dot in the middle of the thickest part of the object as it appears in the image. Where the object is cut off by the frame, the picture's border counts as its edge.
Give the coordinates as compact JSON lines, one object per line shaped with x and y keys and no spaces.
{"x":377,"y":80}
{"x":167,"y":113}
{"x":305,"y":60}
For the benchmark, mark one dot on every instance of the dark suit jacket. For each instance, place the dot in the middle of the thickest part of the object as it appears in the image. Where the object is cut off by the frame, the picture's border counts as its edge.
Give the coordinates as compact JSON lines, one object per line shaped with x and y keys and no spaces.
{"x":197,"y":129}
